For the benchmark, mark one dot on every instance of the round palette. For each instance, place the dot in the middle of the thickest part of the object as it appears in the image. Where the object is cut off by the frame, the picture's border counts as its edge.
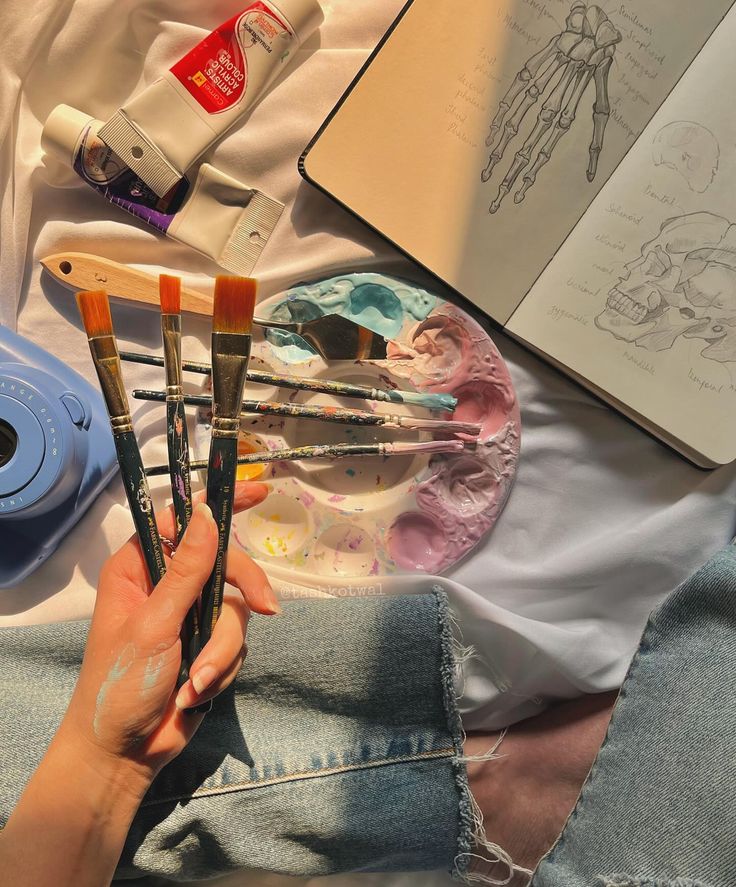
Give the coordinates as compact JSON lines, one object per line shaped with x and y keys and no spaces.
{"x":329,"y":520}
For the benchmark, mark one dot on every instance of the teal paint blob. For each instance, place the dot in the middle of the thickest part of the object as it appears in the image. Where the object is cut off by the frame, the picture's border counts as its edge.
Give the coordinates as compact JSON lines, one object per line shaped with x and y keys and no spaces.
{"x":289,"y":347}
{"x":378,"y":308}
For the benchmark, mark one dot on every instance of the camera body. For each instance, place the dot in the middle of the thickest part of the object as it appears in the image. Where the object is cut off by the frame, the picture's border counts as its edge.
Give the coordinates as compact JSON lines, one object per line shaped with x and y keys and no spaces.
{"x":56,"y":453}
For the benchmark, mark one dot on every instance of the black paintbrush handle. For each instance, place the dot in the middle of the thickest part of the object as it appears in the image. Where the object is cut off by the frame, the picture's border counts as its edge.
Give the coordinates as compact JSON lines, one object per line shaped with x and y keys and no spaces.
{"x":221,"y":471}
{"x":141,"y":506}
{"x":178,"y":445}
{"x":177,"y":439}
{"x":273,"y":408}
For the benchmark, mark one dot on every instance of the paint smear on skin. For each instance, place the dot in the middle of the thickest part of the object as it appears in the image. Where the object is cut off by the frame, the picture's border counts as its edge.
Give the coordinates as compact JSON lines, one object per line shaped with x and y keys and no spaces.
{"x":152,"y":671}
{"x":118,"y":671}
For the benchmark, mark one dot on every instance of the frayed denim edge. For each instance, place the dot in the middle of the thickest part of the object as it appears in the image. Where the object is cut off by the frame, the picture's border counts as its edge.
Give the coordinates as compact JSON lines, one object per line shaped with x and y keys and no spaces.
{"x":454,"y":725}
{"x":471,"y":833}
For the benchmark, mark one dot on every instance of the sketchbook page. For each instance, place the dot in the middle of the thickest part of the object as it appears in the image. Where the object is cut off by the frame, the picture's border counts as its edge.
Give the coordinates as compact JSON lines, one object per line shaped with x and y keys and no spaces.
{"x":641,"y":299}
{"x":407,"y":148}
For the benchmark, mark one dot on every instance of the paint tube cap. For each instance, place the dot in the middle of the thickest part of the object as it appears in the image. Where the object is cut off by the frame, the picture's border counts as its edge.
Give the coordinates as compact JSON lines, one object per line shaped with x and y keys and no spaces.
{"x":304,"y":16}
{"x":62,"y":130}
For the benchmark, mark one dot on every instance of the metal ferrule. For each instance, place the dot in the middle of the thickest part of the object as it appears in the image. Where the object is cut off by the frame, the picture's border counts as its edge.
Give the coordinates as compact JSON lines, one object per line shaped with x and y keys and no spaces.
{"x":107,"y":363}
{"x":171,"y":333}
{"x":230,"y":354}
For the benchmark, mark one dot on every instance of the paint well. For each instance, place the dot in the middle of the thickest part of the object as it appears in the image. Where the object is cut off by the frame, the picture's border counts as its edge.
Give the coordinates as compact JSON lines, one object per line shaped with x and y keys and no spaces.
{"x":417,"y":541}
{"x":344,"y":550}
{"x":277,"y":528}
{"x":248,"y":444}
{"x":481,"y":402}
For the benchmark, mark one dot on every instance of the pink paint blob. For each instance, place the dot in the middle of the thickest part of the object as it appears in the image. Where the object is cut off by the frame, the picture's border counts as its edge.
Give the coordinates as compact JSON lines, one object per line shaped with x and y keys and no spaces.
{"x":482,"y":402}
{"x":417,"y":542}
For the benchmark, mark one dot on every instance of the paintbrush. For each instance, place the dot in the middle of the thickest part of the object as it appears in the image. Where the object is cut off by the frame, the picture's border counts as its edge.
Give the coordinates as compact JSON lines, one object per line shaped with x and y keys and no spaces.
{"x":327,"y":414}
{"x":95,"y":310}
{"x":232,"y":317}
{"x":334,"y":451}
{"x":430,"y":400}
{"x":332,"y":336}
{"x":178,"y":444}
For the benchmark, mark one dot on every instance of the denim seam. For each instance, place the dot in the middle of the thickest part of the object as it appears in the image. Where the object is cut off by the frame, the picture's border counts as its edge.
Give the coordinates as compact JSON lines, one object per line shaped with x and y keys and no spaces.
{"x":433,"y":754}
{"x":455,"y":727}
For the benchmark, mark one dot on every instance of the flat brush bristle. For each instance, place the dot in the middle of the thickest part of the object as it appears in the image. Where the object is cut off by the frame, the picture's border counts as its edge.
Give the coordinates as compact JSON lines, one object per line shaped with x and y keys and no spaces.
{"x":170,"y":292}
{"x":95,"y":310}
{"x":235,"y":302}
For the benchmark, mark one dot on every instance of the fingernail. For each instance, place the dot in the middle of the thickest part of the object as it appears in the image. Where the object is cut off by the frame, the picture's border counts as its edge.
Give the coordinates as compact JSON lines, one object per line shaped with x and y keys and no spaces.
{"x":272,"y":602}
{"x":184,"y":698}
{"x":204,"y":678}
{"x":200,"y":526}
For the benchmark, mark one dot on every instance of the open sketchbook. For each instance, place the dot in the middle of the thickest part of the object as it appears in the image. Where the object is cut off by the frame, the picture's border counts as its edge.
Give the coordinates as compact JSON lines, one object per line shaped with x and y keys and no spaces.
{"x":571,"y":170}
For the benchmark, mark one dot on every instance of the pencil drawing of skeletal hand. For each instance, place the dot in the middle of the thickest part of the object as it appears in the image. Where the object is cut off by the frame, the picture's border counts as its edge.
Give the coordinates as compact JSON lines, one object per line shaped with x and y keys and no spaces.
{"x":583,"y":52}
{"x":683,"y":284}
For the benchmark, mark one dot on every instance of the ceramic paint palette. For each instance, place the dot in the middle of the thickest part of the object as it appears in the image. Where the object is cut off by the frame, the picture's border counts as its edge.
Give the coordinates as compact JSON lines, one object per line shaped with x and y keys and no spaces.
{"x":328,"y":521}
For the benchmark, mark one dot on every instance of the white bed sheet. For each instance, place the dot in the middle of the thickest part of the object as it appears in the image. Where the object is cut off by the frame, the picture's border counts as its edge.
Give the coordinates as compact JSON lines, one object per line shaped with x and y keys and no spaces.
{"x":602,"y":521}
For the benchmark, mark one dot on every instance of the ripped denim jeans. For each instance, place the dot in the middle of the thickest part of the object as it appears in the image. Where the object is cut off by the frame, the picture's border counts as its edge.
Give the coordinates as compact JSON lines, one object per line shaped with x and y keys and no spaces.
{"x":338,"y":748}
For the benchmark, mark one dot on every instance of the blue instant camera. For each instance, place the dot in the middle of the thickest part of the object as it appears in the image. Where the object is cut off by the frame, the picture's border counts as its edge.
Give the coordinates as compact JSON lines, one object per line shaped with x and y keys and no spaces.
{"x":56,"y":453}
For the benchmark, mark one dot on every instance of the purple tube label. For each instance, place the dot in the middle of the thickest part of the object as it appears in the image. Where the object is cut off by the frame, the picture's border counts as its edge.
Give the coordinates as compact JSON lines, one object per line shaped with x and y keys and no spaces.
{"x":101,"y":168}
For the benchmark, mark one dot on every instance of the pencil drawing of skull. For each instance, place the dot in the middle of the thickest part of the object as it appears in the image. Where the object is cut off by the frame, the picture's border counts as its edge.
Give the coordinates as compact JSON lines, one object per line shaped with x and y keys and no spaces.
{"x":683,"y":284}
{"x":690,"y":150}
{"x":583,"y":52}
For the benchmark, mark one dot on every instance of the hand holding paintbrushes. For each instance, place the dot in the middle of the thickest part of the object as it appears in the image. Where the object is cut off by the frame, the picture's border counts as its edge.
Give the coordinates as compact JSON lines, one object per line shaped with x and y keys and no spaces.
{"x":233,"y":314}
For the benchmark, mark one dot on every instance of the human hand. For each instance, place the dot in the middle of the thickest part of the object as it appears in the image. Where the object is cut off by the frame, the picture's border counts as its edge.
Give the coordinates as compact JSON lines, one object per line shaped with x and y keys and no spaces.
{"x":125,"y":705}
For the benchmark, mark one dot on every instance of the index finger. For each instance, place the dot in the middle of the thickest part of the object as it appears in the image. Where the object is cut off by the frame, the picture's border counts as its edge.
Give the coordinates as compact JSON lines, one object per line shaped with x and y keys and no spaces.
{"x":128,"y":561}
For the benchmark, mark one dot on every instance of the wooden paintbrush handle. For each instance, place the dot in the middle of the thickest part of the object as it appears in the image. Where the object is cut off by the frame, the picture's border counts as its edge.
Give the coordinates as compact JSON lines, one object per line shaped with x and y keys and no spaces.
{"x":83,"y":271}
{"x":221,"y":471}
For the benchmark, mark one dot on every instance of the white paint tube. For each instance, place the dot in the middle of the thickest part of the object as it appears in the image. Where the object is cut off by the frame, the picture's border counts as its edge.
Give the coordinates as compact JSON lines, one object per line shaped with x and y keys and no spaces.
{"x":161,"y":131}
{"x":218,"y":216}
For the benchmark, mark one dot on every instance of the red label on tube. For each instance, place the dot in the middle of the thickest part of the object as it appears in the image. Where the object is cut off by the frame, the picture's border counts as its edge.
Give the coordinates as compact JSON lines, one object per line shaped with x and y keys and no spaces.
{"x":215,"y":72}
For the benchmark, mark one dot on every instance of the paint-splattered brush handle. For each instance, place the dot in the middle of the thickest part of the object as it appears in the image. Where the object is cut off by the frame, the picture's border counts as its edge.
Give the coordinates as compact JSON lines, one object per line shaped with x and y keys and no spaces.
{"x":221,"y":470}
{"x":178,"y":446}
{"x":141,"y":506}
{"x":177,"y":439}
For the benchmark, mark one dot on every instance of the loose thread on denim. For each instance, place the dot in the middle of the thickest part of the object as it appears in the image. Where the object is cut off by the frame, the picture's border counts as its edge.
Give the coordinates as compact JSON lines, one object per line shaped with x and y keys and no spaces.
{"x":455,"y":727}
{"x":496,"y":855}
{"x":490,"y":755}
{"x":472,"y":835}
{"x":462,"y":653}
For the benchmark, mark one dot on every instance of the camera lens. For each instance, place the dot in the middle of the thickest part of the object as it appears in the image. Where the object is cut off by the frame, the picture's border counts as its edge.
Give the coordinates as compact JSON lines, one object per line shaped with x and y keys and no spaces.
{"x":8,"y":443}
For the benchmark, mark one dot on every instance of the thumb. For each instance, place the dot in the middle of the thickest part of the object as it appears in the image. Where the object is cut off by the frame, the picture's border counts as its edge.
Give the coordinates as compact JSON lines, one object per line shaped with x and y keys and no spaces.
{"x":189,"y":568}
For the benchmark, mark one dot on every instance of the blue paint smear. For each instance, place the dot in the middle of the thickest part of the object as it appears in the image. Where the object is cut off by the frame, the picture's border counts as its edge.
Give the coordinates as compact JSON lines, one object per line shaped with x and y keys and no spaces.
{"x":289,"y":347}
{"x":382,"y":304}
